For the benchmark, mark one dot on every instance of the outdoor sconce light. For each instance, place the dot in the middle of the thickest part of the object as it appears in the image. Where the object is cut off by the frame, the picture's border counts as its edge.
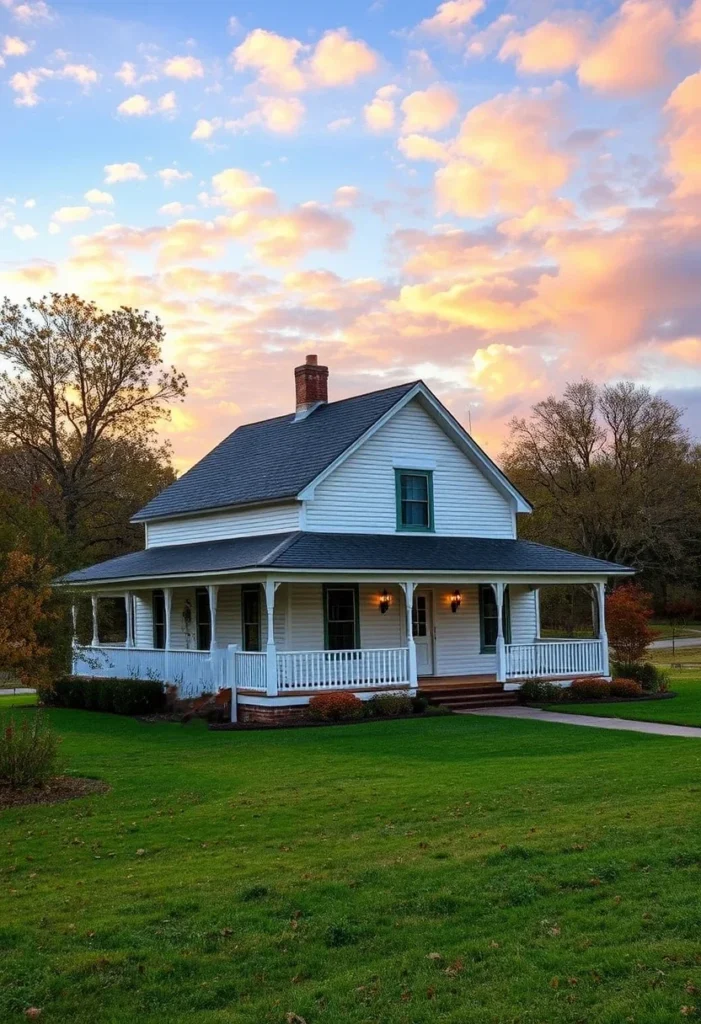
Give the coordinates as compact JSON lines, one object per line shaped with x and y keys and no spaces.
{"x":384,"y":602}
{"x":455,"y":601}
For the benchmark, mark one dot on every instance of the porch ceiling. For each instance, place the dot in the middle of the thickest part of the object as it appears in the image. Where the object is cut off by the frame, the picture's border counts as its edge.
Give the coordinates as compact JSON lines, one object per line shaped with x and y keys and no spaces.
{"x":299,"y":554}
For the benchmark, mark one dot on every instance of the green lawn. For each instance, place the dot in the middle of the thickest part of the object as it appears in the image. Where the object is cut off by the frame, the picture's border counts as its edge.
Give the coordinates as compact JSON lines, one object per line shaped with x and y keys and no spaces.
{"x":684,"y":709}
{"x":16,"y":700}
{"x":458,"y":869}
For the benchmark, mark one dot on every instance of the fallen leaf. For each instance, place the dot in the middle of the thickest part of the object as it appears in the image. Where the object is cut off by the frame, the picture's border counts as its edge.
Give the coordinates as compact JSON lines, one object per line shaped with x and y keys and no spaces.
{"x":434,"y":956}
{"x":140,"y":853}
{"x":33,"y":1012}
{"x":294,"y":1018}
{"x":454,"y":968}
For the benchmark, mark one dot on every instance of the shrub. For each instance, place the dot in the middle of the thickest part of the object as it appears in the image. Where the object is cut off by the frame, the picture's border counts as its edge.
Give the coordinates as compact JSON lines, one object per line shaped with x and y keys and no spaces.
{"x":625,"y":688}
{"x":628,"y":610}
{"x":28,"y":752}
{"x":589,"y":689}
{"x":651,"y":678}
{"x":419,"y":703}
{"x":389,"y":705}
{"x":333,"y":707}
{"x":119,"y":696}
{"x":535,"y":691}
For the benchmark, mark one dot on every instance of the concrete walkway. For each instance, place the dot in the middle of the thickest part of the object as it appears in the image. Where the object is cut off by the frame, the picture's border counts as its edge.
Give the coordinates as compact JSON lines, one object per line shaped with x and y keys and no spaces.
{"x":679,"y":643}
{"x":626,"y":725}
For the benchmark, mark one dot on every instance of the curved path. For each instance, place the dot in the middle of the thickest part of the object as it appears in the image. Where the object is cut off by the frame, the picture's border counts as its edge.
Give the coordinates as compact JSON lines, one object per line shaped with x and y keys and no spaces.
{"x":536,"y":715}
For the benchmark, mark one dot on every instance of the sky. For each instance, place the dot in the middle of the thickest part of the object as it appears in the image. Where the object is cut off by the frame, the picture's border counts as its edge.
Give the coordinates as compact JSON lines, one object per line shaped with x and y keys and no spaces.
{"x":495,"y":197}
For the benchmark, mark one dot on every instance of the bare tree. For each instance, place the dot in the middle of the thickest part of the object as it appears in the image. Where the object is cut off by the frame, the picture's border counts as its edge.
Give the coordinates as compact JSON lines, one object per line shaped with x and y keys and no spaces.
{"x":85,"y":389}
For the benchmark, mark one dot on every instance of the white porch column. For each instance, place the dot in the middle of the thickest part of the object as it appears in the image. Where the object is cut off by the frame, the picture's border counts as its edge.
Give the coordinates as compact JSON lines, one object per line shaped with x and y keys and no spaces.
{"x":95,"y":631}
{"x":409,"y":587}
{"x":167,"y":641}
{"x":129,"y":609}
{"x":536,"y":598}
{"x":74,"y":636}
{"x":213,"y":591}
{"x":270,"y":648}
{"x":231,"y":679}
{"x":600,"y":589}
{"x":498,"y":589}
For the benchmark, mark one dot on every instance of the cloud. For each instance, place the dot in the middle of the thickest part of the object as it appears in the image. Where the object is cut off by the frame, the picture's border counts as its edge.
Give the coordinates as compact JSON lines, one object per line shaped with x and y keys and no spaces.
{"x":25,"y":232}
{"x":451,"y":17}
{"x":139,"y":105}
{"x":340,"y":124}
{"x":98,"y":198}
{"x":379,"y":114}
{"x":273,"y":58}
{"x":422,"y":147}
{"x":205,"y":129}
{"x":429,"y":110}
{"x":29,"y":204}
{"x":289,"y":236}
{"x":129,"y":171}
{"x":281,"y":62}
{"x":25,"y":83}
{"x":340,"y":60}
{"x":241,"y":190}
{"x":183,"y":68}
{"x":13,"y":46}
{"x":72,"y":214}
{"x":630,"y":55}
{"x":550,"y":47}
{"x":82,"y":74}
{"x":171,"y":175}
{"x":684,"y":136}
{"x":30,"y":12}
{"x":126,"y":73}
{"x":173,"y":209}
{"x":280,"y":114}
{"x":480,"y":44}
{"x":504,"y":157}
{"x":347,"y":195}
{"x":691,"y":24}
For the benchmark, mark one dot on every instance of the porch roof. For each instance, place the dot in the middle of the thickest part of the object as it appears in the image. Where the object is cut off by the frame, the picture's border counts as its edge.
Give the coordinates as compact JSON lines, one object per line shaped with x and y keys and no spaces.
{"x":319,"y":552}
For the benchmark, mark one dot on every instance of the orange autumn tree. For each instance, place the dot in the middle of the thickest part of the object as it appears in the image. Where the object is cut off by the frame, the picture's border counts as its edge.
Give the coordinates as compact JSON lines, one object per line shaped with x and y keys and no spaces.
{"x":24,"y":598}
{"x":628,"y":611}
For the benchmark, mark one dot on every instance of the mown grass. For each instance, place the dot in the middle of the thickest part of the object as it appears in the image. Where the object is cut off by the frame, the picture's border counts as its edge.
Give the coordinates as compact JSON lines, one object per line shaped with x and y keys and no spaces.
{"x":684,"y":709}
{"x":8,"y":701}
{"x":458,"y":869}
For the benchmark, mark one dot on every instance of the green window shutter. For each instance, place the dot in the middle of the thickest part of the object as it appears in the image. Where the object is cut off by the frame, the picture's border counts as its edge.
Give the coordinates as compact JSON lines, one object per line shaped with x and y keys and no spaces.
{"x":414,"y":500}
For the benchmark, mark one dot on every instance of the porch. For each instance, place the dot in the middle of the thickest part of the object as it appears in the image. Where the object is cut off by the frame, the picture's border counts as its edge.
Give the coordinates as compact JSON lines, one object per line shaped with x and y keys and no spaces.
{"x":365,"y":636}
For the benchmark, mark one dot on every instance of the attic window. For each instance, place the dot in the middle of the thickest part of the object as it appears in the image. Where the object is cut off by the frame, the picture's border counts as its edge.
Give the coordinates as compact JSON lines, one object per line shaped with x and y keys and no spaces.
{"x":414,"y":490}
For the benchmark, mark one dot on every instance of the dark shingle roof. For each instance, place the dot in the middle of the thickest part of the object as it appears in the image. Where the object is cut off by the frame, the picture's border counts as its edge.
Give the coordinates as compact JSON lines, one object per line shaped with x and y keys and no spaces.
{"x":273,"y":459}
{"x":354,"y":551}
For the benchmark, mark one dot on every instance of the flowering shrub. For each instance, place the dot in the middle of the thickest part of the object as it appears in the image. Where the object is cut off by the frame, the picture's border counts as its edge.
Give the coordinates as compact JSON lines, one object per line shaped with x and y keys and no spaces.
{"x":333,"y":707}
{"x":28,"y":752}
{"x":628,"y":610}
{"x":589,"y":689}
{"x":626,"y":688}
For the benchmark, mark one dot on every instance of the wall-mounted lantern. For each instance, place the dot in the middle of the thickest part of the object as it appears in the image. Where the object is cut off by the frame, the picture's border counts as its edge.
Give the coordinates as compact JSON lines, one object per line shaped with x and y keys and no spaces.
{"x":385,"y":602}
{"x":455,"y":601}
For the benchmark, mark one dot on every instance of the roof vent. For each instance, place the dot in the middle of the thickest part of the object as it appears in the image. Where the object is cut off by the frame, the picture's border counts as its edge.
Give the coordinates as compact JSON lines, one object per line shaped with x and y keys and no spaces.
{"x":311,"y":386}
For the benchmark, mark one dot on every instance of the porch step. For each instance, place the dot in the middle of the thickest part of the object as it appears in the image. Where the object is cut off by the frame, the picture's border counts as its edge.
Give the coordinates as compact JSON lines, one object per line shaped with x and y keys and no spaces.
{"x":467,"y":697}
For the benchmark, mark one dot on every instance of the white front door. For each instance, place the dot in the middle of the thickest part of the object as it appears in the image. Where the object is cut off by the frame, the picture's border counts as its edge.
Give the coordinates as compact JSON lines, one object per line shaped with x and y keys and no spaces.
{"x":423,"y":632}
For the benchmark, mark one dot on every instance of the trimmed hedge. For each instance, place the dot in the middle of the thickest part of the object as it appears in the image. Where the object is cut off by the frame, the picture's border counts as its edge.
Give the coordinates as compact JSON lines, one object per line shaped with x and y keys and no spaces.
{"x":589,"y":689}
{"x":118,"y":696}
{"x":626,"y":688}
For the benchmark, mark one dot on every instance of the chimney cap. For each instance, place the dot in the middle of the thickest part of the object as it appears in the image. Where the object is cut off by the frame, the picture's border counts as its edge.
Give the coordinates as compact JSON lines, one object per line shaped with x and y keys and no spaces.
{"x":312,"y":360}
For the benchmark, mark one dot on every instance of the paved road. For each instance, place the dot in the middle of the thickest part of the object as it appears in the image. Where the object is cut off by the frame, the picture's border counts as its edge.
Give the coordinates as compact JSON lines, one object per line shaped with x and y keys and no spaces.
{"x":687,"y":641}
{"x":535,"y":715}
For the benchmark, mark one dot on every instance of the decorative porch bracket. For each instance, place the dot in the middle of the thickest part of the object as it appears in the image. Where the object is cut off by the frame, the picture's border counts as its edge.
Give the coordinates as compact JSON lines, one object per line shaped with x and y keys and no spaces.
{"x":498,"y":589}
{"x":270,"y":588}
{"x":409,"y":588}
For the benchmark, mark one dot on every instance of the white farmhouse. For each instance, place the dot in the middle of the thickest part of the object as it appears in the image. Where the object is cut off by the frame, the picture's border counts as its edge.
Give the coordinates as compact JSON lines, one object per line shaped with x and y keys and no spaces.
{"x":366,"y":544}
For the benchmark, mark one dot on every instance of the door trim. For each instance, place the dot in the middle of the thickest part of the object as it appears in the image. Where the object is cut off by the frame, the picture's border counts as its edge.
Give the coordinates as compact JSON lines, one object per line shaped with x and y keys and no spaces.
{"x":427,"y":592}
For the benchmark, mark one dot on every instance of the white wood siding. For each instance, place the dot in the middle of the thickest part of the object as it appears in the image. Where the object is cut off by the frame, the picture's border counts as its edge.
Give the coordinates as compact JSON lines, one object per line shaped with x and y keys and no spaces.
{"x":523,"y":615}
{"x":359,"y":496}
{"x":223,"y":525}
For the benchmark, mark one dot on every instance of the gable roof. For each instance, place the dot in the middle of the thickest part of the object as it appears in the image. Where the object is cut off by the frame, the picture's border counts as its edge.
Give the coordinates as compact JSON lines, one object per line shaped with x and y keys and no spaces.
{"x":273,"y":459}
{"x":359,"y":552}
{"x":285,"y":458}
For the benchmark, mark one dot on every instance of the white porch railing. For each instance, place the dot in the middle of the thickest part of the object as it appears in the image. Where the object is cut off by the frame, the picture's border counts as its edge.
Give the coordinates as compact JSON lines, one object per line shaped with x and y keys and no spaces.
{"x":331,"y":670}
{"x":556,"y":658}
{"x":193,"y":672}
{"x":249,"y":670}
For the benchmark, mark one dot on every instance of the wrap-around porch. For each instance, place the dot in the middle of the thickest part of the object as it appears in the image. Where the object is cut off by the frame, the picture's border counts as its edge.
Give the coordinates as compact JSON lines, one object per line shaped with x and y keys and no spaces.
{"x":279,"y":640}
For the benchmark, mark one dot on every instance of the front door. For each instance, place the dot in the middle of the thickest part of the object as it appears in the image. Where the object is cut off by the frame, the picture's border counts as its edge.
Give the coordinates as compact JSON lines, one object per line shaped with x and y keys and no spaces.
{"x":423,"y":632}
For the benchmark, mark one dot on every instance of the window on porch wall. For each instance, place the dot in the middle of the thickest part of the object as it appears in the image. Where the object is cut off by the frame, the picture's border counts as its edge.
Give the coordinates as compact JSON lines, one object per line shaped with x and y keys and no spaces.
{"x":251,"y":633}
{"x":341,"y":625}
{"x":489,"y":623}
{"x":202,"y":619}
{"x":158,"y":606}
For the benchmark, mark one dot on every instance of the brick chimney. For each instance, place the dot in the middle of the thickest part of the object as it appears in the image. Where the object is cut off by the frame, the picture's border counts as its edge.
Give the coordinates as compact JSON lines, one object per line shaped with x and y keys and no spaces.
{"x":311,"y":386}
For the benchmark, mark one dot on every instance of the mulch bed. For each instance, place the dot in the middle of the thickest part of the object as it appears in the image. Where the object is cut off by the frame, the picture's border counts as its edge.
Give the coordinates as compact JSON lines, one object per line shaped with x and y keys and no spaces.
{"x":63,"y":787}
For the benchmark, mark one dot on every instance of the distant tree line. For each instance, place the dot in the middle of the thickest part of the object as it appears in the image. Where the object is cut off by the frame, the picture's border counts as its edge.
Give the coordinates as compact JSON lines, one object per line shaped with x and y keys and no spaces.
{"x":613,"y":473}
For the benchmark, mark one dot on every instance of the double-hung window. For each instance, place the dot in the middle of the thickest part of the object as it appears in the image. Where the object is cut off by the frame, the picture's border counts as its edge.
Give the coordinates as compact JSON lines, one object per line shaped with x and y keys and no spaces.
{"x":202,"y":619}
{"x":414,"y":489}
{"x":341,"y":627}
{"x":250,"y":617}
{"x":158,"y":605}
{"x":489,"y":619}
